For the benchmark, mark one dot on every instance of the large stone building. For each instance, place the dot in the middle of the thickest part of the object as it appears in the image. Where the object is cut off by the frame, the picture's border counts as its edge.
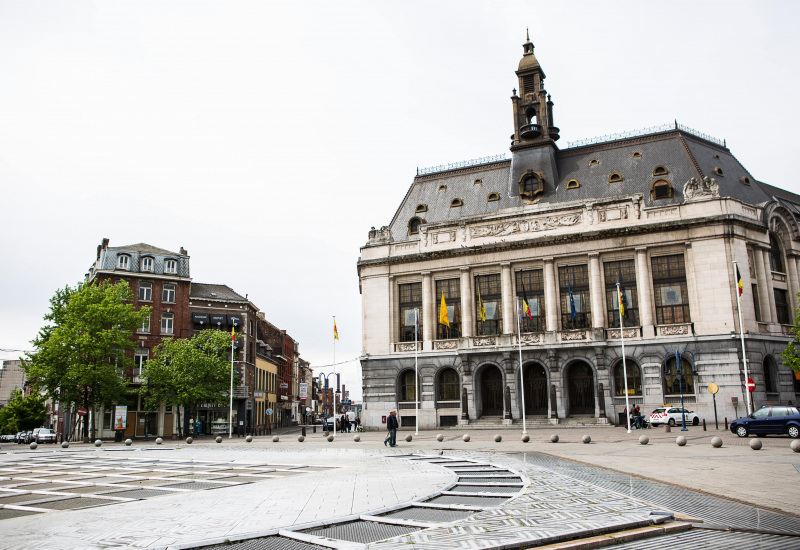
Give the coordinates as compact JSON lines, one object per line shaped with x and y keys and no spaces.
{"x":665,"y":212}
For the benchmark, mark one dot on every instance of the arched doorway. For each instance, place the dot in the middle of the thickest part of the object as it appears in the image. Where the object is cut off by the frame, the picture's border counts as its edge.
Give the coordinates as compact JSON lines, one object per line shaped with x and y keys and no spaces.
{"x":491,"y":391}
{"x":535,"y":389}
{"x":580,"y":385}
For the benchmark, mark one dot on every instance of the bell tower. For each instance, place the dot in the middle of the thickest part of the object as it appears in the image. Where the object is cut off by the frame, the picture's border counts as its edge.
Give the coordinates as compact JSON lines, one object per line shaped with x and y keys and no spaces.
{"x":533,"y":109}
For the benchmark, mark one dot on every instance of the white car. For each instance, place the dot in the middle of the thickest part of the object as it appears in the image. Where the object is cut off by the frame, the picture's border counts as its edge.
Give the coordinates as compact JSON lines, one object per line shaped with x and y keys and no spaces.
{"x":672,"y":416}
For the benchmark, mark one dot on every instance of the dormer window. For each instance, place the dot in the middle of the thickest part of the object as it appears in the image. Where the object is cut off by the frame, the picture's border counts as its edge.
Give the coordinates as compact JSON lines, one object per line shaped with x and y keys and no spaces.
{"x":170,"y":266}
{"x":660,"y":171}
{"x":531,"y":184}
{"x":123,"y":261}
{"x":615,"y":177}
{"x":442,"y":187}
{"x":413,"y":226}
{"x":594,"y":162}
{"x":422,"y":208}
{"x":493,"y":197}
{"x":456,"y":202}
{"x":637,"y":154}
{"x":718,"y":171}
{"x":573,"y":184}
{"x":478,"y":181}
{"x":745,"y":180}
{"x":147,"y":264}
{"x":661,"y":189}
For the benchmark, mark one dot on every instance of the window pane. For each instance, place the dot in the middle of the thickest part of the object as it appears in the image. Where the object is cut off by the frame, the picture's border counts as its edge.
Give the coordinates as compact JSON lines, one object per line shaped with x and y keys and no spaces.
{"x":670,"y":290}
{"x":488,"y":294}
{"x":574,"y":293}
{"x":532,"y":282}
{"x":451,"y":288}
{"x":410,"y":300}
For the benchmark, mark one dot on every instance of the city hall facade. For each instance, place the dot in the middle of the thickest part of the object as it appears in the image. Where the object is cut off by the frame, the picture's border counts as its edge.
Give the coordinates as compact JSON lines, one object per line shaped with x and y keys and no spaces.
{"x":665,"y":213}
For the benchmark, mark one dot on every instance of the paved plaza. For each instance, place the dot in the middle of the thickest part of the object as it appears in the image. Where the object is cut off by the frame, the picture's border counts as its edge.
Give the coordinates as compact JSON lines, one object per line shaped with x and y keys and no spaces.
{"x":481,"y":494}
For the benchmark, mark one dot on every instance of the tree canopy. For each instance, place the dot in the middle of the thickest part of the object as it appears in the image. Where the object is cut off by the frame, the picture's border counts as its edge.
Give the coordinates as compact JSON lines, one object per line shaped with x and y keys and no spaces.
{"x":791,"y":355}
{"x":79,"y":355}
{"x":23,"y":413}
{"x":190,"y":371}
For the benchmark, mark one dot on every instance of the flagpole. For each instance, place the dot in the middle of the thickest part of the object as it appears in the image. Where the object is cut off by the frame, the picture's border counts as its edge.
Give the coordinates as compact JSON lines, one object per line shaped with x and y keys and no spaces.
{"x":338,"y":382}
{"x":230,"y":415}
{"x":624,"y":366}
{"x":416,"y":373}
{"x":521,"y":377}
{"x":741,"y":333}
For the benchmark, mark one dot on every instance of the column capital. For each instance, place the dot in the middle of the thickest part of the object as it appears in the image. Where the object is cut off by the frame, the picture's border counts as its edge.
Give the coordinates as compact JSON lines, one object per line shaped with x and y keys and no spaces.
{"x":594,"y":254}
{"x":548,"y":260}
{"x":641,"y":249}
{"x":391,"y":277}
{"x":688,"y":244}
{"x":464,"y":269}
{"x":425,"y":274}
{"x":505,"y":264}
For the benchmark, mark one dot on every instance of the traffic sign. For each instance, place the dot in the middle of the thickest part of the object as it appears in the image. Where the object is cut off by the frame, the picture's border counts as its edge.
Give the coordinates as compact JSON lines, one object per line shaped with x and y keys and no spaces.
{"x":82,"y":411}
{"x":269,"y":412}
{"x":751,"y":385}
{"x":713,"y":388}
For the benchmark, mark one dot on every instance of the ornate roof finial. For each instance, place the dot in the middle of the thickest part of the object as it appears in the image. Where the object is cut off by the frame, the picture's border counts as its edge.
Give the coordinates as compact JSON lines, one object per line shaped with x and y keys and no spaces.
{"x":527,"y":34}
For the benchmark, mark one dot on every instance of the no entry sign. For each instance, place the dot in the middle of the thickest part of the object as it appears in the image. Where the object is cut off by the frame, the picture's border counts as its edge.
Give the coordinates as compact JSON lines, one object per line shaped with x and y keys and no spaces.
{"x":751,"y":385}
{"x":82,"y":411}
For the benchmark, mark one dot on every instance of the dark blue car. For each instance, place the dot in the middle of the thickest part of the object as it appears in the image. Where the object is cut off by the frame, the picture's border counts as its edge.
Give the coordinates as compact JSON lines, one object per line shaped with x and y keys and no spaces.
{"x":769,"y":420}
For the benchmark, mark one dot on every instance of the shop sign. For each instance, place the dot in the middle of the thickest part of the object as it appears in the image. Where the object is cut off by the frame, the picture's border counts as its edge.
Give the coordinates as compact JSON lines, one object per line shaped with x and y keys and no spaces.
{"x":303,"y":390}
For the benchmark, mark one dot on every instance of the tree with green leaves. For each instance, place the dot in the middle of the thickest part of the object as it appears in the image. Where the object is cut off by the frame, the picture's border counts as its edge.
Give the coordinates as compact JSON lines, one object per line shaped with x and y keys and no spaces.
{"x":791,"y":355}
{"x":23,"y":413}
{"x":80,"y":355}
{"x":189,"y":372}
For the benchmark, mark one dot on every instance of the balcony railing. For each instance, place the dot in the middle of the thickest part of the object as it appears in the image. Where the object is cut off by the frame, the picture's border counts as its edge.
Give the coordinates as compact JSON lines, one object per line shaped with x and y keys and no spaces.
{"x":530,"y":131}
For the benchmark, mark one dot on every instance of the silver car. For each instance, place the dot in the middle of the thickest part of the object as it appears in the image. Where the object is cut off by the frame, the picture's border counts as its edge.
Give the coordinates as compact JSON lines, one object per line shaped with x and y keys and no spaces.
{"x":43,"y":435}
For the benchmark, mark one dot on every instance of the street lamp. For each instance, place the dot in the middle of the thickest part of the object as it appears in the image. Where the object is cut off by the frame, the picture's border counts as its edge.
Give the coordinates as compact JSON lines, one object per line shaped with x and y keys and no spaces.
{"x":324,"y":377}
{"x":679,"y":370}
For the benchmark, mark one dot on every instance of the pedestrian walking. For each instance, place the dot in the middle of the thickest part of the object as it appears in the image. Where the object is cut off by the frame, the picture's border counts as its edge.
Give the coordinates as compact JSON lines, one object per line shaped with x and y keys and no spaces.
{"x":391,"y":425}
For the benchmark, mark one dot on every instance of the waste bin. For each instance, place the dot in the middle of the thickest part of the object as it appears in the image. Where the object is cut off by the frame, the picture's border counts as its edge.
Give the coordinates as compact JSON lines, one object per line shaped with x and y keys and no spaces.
{"x":622,"y":421}
{"x":118,"y":435}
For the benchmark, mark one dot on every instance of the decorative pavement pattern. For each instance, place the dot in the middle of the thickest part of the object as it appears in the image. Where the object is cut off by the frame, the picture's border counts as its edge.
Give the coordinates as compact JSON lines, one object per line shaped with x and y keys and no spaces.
{"x":40,"y":484}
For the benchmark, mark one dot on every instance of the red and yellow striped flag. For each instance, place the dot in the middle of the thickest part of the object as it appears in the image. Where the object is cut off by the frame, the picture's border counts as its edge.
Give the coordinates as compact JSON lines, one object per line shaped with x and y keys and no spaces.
{"x":335,"y":332}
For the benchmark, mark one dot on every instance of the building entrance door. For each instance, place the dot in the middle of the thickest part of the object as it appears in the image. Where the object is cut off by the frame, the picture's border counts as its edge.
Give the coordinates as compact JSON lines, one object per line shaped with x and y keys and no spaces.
{"x":492,"y":391}
{"x":580,"y":381}
{"x":535,"y":390}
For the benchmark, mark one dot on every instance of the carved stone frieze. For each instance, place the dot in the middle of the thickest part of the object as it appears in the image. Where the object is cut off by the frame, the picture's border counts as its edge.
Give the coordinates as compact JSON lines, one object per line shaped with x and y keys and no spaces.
{"x":613,"y":334}
{"x":444,"y":237}
{"x":674,"y":330}
{"x":379,"y":236}
{"x":530,"y":338}
{"x":573,"y":335}
{"x":445,"y":344}
{"x":405,"y":346}
{"x":695,"y":189}
{"x":531,"y":225}
{"x":484,"y":341}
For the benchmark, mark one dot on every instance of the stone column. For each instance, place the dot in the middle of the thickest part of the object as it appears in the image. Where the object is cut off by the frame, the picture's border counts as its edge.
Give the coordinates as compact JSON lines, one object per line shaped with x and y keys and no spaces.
{"x":426,"y":315}
{"x":765,"y":294}
{"x":691,"y":279}
{"x":644,"y":290}
{"x":392,"y":314}
{"x":467,"y":315}
{"x":550,"y":295}
{"x":509,"y":321}
{"x":794,"y":284}
{"x":596,"y":291}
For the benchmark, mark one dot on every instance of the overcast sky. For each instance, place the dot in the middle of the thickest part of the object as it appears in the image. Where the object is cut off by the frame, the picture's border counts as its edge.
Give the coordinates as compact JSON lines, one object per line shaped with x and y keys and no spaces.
{"x":268,"y":137}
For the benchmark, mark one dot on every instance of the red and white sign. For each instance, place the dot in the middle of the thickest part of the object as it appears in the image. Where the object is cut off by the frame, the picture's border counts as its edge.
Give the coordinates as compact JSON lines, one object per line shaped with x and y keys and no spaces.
{"x":751,"y":385}
{"x":82,"y":411}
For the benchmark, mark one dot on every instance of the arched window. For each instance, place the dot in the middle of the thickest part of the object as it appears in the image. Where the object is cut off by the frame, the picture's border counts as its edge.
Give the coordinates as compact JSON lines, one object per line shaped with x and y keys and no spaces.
{"x":634,"y":379}
{"x":456,"y":202}
{"x":413,"y":226}
{"x":661,"y":189}
{"x":573,"y":184}
{"x":775,"y":255}
{"x":674,"y":379}
{"x":407,"y":390}
{"x":615,"y":177}
{"x":530,"y":184}
{"x":770,"y":375}
{"x":448,"y":386}
{"x":123,"y":261}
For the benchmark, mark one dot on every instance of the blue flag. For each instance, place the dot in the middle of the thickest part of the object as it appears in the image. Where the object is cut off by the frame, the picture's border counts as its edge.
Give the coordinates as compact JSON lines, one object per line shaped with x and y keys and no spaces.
{"x":571,"y":300}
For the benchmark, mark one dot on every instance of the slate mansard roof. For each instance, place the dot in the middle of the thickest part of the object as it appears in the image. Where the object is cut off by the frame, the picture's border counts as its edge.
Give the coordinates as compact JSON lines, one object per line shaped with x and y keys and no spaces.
{"x":203,"y":291}
{"x":683,"y":154}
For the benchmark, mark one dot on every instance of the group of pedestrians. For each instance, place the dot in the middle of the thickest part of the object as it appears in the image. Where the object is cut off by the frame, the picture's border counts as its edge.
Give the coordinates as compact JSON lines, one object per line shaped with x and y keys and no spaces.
{"x":636,"y":419}
{"x":391,"y":425}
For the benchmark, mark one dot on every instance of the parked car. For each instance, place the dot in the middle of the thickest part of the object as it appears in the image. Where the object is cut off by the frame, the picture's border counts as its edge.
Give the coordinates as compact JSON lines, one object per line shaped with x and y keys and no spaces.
{"x":778,"y":420}
{"x":43,"y":435}
{"x":23,"y":437}
{"x":672,"y":416}
{"x":7,"y":437}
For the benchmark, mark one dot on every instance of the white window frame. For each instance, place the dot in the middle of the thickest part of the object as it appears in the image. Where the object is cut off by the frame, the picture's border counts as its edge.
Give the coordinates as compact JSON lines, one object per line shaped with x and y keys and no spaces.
{"x":139,"y":360}
{"x":147,"y":264}
{"x":145,"y":292}
{"x":170,"y":266}
{"x":167,"y":323}
{"x":168,"y":292}
{"x":124,"y":261}
{"x":145,"y":325}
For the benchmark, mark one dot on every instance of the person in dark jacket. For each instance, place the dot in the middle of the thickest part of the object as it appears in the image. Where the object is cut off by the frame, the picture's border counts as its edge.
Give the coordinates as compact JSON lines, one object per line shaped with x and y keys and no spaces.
{"x":391,"y":425}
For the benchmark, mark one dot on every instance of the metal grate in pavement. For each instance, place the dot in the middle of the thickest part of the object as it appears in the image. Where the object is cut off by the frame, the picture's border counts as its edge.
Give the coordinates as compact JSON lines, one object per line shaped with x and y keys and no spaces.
{"x":43,"y":487}
{"x":489,"y":479}
{"x":73,"y":503}
{"x":241,"y":479}
{"x":80,"y":489}
{"x":713,"y":540}
{"x":267,"y":543}
{"x":139,"y":493}
{"x":712,"y":510}
{"x":433,"y":515}
{"x":361,"y":531}
{"x":197,"y":485}
{"x":468,"y":500}
{"x":485,"y":489}
{"x":7,"y":513}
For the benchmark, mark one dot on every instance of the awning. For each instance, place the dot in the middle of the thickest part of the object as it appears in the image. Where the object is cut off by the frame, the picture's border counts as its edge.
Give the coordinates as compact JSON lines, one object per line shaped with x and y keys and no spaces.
{"x":235,"y":320}
{"x":214,"y":319}
{"x":200,"y":318}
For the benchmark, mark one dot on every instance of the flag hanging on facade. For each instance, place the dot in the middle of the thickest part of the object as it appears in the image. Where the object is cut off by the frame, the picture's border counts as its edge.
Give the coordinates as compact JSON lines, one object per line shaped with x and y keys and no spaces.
{"x":443,"y":318}
{"x":525,"y":309}
{"x":739,"y":282}
{"x":335,"y":332}
{"x":571,"y":300}
{"x":481,"y":308}
{"x":620,"y":299}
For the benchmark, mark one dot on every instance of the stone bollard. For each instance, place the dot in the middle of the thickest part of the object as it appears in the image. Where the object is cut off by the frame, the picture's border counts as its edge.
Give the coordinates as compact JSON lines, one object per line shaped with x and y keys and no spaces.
{"x":189,"y":440}
{"x":587,"y":439}
{"x":440,"y":438}
{"x":716,"y":442}
{"x":795,"y":445}
{"x":755,"y":444}
{"x":704,"y":425}
{"x":276,"y":439}
{"x":498,"y":438}
{"x":409,"y":438}
{"x":34,"y":445}
{"x":97,"y":442}
{"x":526,"y":438}
{"x":219,"y":439}
{"x":356,"y":438}
{"x":466,"y":437}
{"x":330,"y":438}
{"x":159,"y":441}
{"x":667,"y":429}
{"x":128,"y":442}
{"x":554,"y":438}
{"x":249,"y":438}
{"x":65,"y":445}
{"x":681,"y":441}
{"x":300,"y":438}
{"x":644,"y":440}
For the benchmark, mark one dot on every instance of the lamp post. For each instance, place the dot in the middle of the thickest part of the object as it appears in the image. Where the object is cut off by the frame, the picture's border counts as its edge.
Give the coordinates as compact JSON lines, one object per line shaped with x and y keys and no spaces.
{"x":679,"y":370}
{"x":324,"y":377}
